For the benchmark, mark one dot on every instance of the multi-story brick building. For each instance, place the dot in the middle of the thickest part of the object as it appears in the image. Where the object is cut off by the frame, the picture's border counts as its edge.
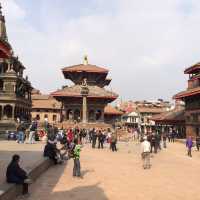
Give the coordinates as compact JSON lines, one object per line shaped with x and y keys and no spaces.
{"x":191,"y":97}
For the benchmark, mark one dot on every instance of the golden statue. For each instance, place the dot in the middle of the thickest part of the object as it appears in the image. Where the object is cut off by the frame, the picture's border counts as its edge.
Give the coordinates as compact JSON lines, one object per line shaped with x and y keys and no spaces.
{"x":84,"y":83}
{"x":85,"y":61}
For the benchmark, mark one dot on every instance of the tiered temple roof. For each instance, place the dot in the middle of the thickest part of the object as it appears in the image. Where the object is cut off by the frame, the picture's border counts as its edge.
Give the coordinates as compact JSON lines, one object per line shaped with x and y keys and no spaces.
{"x":96,"y":80}
{"x":94,"y":92}
{"x":193,"y":82}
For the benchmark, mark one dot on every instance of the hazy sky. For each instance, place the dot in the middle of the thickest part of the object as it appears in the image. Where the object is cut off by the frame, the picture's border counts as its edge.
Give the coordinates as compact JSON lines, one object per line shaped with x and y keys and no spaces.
{"x":145,"y":44}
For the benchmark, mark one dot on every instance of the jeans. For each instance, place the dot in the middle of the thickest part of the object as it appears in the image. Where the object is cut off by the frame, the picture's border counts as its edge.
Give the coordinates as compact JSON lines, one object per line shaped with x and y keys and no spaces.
{"x":146,"y":160}
{"x":21,"y":137}
{"x":190,"y":152}
{"x":164,"y":144}
{"x":93,"y":143}
{"x":77,"y":167}
{"x":31,"y":138}
{"x":100,"y":145}
{"x":113,"y":146}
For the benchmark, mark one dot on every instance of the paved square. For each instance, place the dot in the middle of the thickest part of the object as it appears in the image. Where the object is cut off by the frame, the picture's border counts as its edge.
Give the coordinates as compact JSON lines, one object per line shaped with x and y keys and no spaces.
{"x":117,"y":176}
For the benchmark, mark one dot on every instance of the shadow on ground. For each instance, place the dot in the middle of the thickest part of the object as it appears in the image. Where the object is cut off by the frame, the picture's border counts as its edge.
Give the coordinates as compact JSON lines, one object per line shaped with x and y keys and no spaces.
{"x":46,"y":187}
{"x":90,"y":192}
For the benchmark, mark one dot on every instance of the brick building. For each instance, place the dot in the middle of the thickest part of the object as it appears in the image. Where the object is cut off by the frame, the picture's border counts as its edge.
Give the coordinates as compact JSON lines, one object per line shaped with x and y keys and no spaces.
{"x":191,"y":97}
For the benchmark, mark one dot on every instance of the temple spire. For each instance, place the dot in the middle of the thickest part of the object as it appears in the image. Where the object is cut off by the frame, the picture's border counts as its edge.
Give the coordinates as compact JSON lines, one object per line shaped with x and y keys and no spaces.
{"x":3,"y":34}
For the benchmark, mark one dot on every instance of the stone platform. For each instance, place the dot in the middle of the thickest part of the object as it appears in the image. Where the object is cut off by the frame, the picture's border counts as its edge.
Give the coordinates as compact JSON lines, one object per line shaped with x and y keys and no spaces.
{"x":89,"y":125}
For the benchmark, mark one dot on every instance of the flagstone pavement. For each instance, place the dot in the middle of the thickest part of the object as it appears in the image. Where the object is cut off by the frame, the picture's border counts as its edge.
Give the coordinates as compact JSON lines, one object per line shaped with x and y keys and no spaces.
{"x":119,"y":175}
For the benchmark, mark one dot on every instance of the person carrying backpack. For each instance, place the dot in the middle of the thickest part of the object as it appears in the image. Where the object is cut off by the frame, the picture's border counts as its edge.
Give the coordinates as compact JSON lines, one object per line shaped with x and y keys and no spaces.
{"x":76,"y":157}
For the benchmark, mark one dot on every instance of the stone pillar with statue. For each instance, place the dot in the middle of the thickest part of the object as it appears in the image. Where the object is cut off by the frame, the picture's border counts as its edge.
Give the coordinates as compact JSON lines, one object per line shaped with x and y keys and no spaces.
{"x":84,"y":93}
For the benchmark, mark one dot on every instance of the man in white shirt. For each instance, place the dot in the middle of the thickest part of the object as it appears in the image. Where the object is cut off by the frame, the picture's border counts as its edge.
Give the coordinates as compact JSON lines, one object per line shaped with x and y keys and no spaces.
{"x":145,"y":151}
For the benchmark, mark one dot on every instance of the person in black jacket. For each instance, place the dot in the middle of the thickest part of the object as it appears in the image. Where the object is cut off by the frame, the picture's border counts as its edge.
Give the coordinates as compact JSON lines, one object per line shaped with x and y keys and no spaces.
{"x":94,"y":138}
{"x":15,"y":174}
{"x":100,"y":137}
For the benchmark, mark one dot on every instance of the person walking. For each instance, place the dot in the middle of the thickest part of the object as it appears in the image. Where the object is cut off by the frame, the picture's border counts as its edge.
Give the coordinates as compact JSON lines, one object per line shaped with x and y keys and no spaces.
{"x":113,"y":142}
{"x":100,"y":139}
{"x":94,"y":138}
{"x":173,"y":135}
{"x":76,"y":157}
{"x":153,"y":143}
{"x":21,"y":136}
{"x":33,"y":129}
{"x":169,"y":135}
{"x":198,"y":142}
{"x":189,"y":144}
{"x":145,"y":152}
{"x":164,"y":137}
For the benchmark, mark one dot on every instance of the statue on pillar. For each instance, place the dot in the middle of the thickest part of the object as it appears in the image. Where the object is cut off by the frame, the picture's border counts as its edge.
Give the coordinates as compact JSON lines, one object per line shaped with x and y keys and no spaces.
{"x":84,"y":82}
{"x":85,"y":61}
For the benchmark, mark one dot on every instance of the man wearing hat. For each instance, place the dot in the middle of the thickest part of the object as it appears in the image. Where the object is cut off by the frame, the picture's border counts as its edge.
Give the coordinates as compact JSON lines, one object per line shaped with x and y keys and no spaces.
{"x":145,"y":151}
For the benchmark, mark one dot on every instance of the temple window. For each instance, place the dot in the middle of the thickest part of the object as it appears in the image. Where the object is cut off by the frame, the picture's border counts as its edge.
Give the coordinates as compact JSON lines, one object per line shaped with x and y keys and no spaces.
{"x":54,"y":118}
{"x":8,"y":111}
{"x":91,"y":115}
{"x":98,"y":115}
{"x":77,"y":115}
{"x":38,"y":117}
{"x":1,"y":85}
{"x":69,"y":114}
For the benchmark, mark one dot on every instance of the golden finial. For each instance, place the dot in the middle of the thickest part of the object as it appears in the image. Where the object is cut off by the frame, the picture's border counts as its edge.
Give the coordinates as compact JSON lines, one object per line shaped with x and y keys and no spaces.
{"x":85,"y":61}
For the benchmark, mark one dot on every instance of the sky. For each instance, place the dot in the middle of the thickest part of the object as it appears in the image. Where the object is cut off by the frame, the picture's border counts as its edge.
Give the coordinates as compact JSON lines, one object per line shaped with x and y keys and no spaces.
{"x":145,"y":44}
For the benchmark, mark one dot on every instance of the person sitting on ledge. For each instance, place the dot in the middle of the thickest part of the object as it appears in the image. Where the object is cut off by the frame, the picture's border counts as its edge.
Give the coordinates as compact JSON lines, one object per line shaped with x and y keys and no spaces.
{"x":15,"y":174}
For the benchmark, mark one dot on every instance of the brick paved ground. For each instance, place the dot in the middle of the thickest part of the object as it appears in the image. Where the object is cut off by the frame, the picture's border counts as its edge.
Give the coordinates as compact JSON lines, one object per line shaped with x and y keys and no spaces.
{"x":30,"y":154}
{"x":117,"y":176}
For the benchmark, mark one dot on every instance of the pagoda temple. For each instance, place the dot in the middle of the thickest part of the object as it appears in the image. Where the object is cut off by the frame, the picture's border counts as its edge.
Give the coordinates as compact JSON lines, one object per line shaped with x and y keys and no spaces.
{"x":191,"y":97}
{"x":15,"y":90}
{"x":86,"y":99}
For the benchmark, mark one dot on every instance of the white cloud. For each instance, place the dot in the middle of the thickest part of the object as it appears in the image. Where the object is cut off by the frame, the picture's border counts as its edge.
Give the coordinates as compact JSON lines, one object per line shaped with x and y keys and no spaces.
{"x":145,"y":44}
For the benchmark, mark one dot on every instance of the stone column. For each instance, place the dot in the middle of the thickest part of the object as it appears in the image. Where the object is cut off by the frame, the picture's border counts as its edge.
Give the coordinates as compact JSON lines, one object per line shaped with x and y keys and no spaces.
{"x":85,"y":119}
{"x":84,"y":93}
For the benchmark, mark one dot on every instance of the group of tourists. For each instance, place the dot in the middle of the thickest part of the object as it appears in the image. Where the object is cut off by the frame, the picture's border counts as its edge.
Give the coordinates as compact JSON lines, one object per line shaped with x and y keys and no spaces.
{"x":24,"y":132}
{"x":103,"y":136}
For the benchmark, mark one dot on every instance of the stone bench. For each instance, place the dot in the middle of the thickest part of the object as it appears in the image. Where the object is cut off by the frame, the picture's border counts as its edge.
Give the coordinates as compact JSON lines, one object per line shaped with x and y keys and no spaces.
{"x":11,"y":191}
